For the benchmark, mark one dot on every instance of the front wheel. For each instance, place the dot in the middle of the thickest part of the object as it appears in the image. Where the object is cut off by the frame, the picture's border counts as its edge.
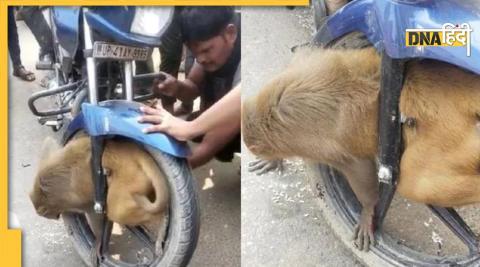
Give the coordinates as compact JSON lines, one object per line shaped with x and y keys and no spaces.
{"x":341,"y":209}
{"x":182,"y":226}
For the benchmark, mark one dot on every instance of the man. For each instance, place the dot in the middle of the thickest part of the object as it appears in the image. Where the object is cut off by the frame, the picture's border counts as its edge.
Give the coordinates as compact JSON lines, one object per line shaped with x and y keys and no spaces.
{"x":213,"y":36}
{"x":171,"y":50}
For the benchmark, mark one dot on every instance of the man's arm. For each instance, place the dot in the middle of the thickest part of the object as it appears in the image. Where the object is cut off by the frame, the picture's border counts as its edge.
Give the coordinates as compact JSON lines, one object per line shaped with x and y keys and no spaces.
{"x":213,"y":142}
{"x":186,"y":90}
{"x":224,"y":113}
{"x":226,"y":110}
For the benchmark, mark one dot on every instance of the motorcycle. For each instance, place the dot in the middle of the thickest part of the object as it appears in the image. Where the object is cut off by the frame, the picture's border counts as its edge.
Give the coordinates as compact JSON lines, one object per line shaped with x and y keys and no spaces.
{"x":95,"y":50}
{"x":385,"y":25}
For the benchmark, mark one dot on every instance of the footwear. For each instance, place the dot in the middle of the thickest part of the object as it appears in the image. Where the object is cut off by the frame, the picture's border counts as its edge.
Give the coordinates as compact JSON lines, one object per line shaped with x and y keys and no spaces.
{"x":22,"y":73}
{"x":45,"y":62}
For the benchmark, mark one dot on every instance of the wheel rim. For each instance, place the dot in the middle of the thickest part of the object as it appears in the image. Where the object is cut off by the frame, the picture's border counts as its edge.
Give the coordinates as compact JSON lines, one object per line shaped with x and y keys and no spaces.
{"x":387,"y":248}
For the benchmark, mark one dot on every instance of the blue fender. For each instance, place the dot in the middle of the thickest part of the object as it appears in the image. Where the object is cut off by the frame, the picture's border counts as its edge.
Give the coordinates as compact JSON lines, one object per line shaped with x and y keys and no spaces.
{"x":119,"y":117}
{"x":384,"y":23}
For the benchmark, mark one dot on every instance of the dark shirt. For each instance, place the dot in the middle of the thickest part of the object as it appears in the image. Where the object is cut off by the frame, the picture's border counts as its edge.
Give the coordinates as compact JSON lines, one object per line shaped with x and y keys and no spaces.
{"x":220,"y":82}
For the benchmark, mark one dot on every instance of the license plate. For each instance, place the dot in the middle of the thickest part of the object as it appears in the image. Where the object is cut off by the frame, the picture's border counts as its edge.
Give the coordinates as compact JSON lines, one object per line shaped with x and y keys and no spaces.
{"x":119,"y":52}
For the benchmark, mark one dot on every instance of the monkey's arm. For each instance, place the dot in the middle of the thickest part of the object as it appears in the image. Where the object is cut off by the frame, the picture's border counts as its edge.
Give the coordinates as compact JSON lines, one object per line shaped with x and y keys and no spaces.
{"x":362,"y":178}
{"x":262,"y":166}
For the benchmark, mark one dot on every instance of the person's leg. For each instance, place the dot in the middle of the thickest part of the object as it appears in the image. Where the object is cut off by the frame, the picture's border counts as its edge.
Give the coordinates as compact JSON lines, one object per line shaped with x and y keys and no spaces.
{"x":13,"y":43}
{"x":14,"y":49}
{"x":216,"y":143}
{"x":226,"y":153}
{"x":37,"y":24}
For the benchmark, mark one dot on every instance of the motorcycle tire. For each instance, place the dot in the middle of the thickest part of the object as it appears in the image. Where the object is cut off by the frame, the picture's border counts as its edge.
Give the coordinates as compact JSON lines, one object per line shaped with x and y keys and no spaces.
{"x":184,"y":218}
{"x":341,"y":209}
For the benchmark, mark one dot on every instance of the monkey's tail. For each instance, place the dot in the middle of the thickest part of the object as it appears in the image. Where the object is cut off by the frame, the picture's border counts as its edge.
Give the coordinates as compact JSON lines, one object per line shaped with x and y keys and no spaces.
{"x":160,"y":187}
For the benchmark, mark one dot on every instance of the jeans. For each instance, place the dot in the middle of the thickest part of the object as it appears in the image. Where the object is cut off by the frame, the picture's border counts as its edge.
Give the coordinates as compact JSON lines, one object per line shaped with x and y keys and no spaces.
{"x":37,"y":24}
{"x":13,"y":44}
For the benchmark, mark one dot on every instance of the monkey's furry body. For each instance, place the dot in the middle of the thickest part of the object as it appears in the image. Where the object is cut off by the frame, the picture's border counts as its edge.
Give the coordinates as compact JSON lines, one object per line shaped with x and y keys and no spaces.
{"x":323,"y":107}
{"x":64,"y":181}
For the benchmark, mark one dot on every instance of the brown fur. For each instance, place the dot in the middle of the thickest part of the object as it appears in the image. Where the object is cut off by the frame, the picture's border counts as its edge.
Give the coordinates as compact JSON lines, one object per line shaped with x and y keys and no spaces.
{"x":323,"y":108}
{"x":441,"y":161}
{"x":64,"y":182}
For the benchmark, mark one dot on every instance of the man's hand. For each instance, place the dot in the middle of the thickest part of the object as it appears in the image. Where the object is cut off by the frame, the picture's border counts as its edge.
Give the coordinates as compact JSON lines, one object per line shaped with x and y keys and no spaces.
{"x":165,"y":122}
{"x":168,"y":87}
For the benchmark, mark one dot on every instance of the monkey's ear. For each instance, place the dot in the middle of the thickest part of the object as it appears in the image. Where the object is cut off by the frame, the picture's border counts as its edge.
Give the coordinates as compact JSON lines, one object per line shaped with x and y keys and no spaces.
{"x":56,"y":177}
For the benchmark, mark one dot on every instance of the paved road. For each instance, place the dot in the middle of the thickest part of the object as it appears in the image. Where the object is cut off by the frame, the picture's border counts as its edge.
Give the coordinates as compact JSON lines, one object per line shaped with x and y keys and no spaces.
{"x":45,"y":242}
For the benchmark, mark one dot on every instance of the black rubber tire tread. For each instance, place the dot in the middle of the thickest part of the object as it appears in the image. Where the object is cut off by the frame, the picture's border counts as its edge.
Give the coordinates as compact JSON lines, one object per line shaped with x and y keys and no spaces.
{"x":184,"y":210}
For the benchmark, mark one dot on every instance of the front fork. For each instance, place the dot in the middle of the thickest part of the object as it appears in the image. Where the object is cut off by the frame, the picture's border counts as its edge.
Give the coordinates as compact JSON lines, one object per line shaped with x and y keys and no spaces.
{"x":98,"y":142}
{"x":389,"y":133}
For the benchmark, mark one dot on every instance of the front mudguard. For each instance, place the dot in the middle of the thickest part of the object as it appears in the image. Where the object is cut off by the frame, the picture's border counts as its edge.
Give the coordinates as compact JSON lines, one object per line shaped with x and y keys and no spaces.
{"x":384,"y":23}
{"x":119,"y":117}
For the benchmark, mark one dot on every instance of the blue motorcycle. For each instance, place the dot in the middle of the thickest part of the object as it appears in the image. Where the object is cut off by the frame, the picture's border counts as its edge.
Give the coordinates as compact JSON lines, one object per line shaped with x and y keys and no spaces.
{"x":95,"y":51}
{"x":389,"y":25}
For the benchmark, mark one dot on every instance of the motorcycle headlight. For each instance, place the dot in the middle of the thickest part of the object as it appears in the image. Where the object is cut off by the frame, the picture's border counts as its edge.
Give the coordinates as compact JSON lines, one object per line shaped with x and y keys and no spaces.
{"x":151,"y":21}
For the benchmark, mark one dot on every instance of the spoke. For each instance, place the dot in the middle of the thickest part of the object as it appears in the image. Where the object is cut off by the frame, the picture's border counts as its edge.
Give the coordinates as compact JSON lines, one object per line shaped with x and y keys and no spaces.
{"x":458,"y":226}
{"x":143,"y":236}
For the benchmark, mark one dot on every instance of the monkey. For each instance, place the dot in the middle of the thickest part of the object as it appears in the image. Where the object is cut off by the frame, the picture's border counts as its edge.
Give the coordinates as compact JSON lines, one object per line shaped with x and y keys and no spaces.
{"x":137,"y":188}
{"x":323,"y":107}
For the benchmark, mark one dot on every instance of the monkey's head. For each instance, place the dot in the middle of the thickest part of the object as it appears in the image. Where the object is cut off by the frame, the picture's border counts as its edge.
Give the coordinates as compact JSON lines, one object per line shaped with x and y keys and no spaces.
{"x":265,"y":127}
{"x":44,"y":198}
{"x":40,"y":199}
{"x":52,"y":192}
{"x":253,"y":132}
